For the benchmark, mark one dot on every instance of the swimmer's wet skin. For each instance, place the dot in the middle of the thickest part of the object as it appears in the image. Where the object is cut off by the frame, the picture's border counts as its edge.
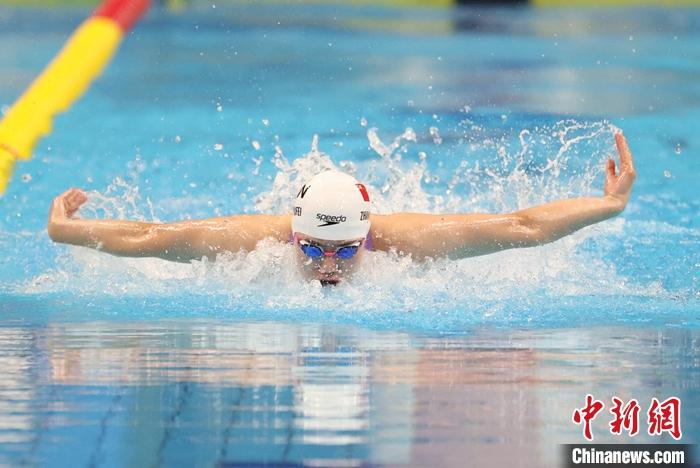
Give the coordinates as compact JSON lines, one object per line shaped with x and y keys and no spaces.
{"x":331,"y":211}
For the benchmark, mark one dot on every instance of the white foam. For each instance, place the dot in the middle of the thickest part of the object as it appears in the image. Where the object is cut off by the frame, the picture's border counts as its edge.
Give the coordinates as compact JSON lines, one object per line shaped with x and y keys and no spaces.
{"x":267,"y":278}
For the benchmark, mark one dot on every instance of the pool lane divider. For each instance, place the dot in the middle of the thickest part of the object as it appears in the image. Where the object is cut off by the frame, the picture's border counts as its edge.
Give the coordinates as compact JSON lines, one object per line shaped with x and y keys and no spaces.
{"x":86,"y":53}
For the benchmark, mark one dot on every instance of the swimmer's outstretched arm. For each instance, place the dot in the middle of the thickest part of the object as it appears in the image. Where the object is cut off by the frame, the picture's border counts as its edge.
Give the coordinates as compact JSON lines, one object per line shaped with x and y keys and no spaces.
{"x":467,"y":235}
{"x":181,"y":241}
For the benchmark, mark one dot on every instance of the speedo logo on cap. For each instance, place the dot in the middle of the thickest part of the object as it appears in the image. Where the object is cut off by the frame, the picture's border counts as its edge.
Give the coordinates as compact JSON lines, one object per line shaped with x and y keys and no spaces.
{"x":330,"y":220}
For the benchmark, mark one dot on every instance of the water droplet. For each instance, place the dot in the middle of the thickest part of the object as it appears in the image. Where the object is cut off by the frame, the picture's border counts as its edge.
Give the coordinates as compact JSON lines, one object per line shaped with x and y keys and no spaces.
{"x":219,"y":108}
{"x":409,"y":134}
{"x":266,"y":122}
{"x":667,"y":174}
{"x":437,"y":139}
{"x":363,"y":122}
{"x":679,"y":148}
{"x":422,"y":155}
{"x":218,"y":147}
{"x":255,"y":144}
{"x":178,"y":139}
{"x":26,"y":177}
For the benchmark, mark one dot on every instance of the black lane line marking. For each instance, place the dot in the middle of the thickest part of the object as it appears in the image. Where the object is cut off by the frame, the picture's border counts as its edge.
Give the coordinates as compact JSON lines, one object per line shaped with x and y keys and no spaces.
{"x":182,"y":399}
{"x":229,"y":427}
{"x":97,"y":457}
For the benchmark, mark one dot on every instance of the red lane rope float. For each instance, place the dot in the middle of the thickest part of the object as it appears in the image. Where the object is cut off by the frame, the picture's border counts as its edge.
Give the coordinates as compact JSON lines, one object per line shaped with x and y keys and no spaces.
{"x":124,"y":13}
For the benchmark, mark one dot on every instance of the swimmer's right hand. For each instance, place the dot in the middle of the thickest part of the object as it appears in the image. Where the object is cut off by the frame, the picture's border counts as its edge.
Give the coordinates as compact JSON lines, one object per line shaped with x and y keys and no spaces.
{"x":65,"y":205}
{"x":618,"y":185}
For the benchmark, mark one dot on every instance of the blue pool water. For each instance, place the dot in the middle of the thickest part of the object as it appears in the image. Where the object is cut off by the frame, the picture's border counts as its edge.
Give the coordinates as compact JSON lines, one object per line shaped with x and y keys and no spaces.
{"x":224,"y":109}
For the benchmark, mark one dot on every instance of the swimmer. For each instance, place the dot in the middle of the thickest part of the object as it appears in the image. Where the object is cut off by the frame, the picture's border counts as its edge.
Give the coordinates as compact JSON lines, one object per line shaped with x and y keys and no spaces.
{"x":331,"y":225}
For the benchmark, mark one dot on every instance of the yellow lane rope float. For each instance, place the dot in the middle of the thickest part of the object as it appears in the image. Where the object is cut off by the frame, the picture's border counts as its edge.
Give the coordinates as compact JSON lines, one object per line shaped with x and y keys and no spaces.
{"x":65,"y":79}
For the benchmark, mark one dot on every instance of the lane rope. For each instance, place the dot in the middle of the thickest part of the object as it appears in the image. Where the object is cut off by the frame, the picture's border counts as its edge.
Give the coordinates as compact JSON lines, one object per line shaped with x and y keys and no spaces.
{"x":81,"y":60}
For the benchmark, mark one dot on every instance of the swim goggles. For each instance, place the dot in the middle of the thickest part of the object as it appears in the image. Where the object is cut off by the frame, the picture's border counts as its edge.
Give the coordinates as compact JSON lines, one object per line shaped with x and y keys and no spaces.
{"x":312,"y":250}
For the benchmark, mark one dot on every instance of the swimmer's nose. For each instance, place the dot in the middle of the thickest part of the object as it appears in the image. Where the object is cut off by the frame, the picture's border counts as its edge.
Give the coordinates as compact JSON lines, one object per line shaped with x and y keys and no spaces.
{"x":328,"y":265}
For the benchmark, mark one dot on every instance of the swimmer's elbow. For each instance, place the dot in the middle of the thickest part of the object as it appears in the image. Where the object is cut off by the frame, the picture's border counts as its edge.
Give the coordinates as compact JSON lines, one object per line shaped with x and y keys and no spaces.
{"x":141,"y":241}
{"x":527,"y":232}
{"x":169,"y":243}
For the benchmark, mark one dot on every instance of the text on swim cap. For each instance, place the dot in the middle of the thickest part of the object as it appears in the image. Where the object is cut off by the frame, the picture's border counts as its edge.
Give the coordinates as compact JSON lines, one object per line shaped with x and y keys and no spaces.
{"x":302,"y":191}
{"x":330,"y":220}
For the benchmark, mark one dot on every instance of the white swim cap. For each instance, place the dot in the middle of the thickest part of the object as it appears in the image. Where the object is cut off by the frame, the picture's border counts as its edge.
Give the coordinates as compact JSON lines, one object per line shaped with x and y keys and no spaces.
{"x":332,"y":206}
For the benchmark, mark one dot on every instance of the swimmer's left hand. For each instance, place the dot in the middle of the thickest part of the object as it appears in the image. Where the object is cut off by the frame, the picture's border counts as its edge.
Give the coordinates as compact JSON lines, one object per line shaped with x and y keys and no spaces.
{"x":618,"y":187}
{"x":66,"y":204}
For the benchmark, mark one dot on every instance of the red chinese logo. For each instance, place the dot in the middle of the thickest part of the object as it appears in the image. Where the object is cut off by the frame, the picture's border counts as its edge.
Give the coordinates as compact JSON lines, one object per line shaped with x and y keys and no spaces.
{"x":586,"y":415}
{"x":665,"y":417}
{"x":662,"y":417}
{"x":626,"y":418}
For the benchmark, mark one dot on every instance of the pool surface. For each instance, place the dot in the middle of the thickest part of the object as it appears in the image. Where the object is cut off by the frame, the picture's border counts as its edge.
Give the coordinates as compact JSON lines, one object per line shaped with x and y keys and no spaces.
{"x":221,"y":109}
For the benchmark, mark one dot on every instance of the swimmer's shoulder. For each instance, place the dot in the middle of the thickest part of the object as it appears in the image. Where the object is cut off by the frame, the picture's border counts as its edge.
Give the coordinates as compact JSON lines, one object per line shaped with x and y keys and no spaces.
{"x":400,"y":231}
{"x":378,"y":223}
{"x":386,"y":230}
{"x":257,"y":226}
{"x":383,"y":225}
{"x":278,"y":227}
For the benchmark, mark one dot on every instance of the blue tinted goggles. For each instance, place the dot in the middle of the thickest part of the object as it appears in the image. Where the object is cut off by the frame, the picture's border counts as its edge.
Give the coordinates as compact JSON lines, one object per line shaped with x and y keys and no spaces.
{"x":312,"y":250}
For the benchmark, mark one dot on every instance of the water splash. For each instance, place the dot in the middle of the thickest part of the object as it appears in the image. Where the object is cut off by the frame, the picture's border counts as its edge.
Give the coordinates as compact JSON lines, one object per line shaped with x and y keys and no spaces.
{"x":121,"y":200}
{"x":493,"y":174}
{"x":290,"y":177}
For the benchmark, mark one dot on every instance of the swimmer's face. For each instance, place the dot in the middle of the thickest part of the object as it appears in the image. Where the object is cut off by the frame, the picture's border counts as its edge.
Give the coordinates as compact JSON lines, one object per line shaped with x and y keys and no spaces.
{"x":329,"y":270}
